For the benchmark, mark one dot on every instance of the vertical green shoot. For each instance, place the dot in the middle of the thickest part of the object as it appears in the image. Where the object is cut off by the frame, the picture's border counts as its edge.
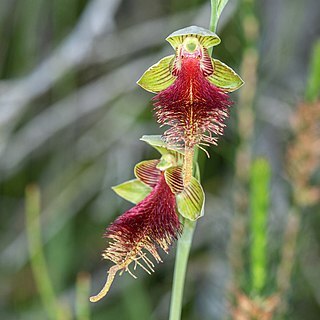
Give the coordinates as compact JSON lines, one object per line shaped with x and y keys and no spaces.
{"x":260,"y":179}
{"x":313,"y":82}
{"x":82,"y":293}
{"x":216,"y":9}
{"x":37,"y":259}
{"x":180,"y":268}
{"x":140,"y":307}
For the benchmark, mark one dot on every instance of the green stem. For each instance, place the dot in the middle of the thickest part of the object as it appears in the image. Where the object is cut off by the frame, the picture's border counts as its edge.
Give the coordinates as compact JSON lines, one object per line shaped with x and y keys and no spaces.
{"x":313,"y":83}
{"x":38,"y":263}
{"x":214,"y":15}
{"x":183,"y":246}
{"x":182,"y":255}
{"x":260,"y":180}
{"x":82,"y":291}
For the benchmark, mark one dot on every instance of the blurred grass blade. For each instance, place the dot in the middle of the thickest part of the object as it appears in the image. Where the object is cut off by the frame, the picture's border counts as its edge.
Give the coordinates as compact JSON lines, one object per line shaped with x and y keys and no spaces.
{"x":260,"y":179}
{"x":288,"y":255}
{"x":139,"y":307}
{"x":37,"y":259}
{"x":313,"y":83}
{"x":82,"y":294}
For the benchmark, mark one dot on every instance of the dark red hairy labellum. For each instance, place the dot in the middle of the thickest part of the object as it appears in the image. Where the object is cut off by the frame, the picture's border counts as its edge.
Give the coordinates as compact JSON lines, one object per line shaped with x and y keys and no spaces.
{"x":152,"y":223}
{"x":193,"y":107}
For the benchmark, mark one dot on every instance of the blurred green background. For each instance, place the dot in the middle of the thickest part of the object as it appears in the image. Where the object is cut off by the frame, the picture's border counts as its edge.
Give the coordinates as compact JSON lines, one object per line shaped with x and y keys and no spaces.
{"x":71,"y":117}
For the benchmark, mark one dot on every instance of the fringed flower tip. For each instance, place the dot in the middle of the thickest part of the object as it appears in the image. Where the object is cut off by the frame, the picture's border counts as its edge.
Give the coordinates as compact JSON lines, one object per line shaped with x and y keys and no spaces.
{"x":153,"y":223}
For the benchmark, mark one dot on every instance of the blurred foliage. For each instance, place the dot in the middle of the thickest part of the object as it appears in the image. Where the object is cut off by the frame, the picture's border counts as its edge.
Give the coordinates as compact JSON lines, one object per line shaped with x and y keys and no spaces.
{"x":71,"y":117}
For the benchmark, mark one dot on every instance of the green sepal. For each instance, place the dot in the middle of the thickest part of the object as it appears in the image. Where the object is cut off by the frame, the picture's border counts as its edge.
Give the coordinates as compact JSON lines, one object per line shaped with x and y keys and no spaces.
{"x":206,"y":37}
{"x":224,"y":77}
{"x":157,"y":142}
{"x":158,"y":77}
{"x":132,"y":190}
{"x":190,"y":202}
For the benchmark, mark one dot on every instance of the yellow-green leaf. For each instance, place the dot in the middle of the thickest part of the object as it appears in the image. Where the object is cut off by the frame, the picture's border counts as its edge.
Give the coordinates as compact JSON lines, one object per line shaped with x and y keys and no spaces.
{"x":133,"y":190}
{"x":206,"y":37}
{"x":224,"y":77}
{"x":158,"y":77}
{"x":190,"y":202}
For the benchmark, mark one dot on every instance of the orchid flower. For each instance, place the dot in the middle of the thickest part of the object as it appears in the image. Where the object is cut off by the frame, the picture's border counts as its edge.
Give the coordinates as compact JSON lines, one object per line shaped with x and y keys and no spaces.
{"x":192,"y":89}
{"x":192,"y":98}
{"x":159,"y":194}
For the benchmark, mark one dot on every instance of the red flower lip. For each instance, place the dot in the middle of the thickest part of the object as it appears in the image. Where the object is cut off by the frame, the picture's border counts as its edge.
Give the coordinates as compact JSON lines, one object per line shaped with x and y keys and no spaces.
{"x":159,"y":193}
{"x":151,"y":224}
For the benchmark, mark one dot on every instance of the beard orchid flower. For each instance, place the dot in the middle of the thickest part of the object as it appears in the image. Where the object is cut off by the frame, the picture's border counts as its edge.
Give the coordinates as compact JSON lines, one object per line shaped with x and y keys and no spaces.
{"x":159,"y":194}
{"x":192,"y":99}
{"x":191,"y":89}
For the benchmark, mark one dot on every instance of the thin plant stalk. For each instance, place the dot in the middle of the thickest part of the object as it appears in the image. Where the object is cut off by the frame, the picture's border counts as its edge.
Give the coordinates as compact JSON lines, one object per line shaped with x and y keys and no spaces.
{"x":82,"y":308}
{"x":180,"y":268}
{"x":313,"y":83}
{"x":214,"y":15}
{"x":37,"y":260}
{"x":185,"y":241}
{"x":260,"y":186}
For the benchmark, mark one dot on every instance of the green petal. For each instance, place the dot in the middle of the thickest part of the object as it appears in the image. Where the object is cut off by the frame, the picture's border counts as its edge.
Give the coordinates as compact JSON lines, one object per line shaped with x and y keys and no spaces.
{"x":147,"y":172}
{"x":158,"y":77}
{"x":224,"y":77}
{"x":190,"y":201}
{"x":174,"y":179}
{"x":206,"y":37}
{"x":133,"y":190}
